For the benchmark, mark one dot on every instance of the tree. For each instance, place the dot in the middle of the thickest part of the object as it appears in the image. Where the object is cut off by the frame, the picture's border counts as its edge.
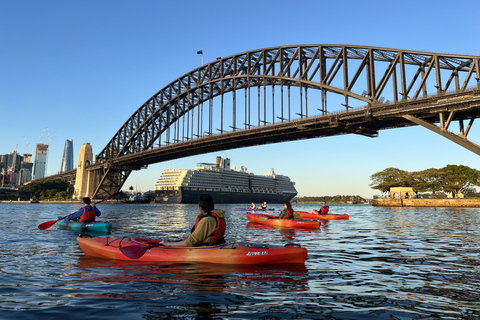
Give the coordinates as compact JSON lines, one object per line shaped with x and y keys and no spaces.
{"x":43,"y":189}
{"x":428,"y":180}
{"x":458,"y":178}
{"x":390,"y":177}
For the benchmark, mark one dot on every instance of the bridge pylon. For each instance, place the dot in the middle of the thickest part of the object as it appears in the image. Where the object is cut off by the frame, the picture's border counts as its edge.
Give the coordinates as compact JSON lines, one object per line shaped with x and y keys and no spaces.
{"x":84,"y":182}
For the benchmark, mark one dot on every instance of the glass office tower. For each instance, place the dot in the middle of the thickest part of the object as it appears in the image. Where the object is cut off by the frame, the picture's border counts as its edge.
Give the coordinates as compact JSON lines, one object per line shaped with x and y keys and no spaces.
{"x":67,"y":160}
{"x":40,"y":161}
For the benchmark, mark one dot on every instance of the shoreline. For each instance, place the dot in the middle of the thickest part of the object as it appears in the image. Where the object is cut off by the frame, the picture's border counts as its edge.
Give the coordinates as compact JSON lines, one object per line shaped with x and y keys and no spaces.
{"x":54,"y":201}
{"x":411,"y":203}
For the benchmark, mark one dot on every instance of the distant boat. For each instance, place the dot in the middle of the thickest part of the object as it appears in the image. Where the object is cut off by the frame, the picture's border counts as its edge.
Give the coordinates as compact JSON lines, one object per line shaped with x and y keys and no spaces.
{"x":135,"y":198}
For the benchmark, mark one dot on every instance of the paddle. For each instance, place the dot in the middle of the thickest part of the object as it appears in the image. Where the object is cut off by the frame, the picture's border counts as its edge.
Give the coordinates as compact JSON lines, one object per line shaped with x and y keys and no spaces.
{"x":137,"y":251}
{"x":48,"y":224}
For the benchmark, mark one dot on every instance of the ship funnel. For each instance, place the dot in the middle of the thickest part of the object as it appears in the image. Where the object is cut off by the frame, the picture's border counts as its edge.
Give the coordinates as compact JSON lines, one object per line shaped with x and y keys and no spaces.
{"x":226,"y":163}
{"x":218,"y":162}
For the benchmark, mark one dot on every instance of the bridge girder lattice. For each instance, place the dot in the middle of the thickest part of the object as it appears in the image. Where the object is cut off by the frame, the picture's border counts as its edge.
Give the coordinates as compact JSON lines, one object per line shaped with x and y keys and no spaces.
{"x":288,"y":93}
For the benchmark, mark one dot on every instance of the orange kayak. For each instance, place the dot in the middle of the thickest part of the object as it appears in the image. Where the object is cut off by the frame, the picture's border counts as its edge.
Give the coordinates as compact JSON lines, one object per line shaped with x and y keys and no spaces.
{"x":306,"y":215}
{"x":142,"y":249}
{"x":270,"y":220}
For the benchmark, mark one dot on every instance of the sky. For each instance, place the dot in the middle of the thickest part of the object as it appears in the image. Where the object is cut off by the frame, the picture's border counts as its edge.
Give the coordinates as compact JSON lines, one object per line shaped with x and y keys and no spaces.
{"x":79,"y":69}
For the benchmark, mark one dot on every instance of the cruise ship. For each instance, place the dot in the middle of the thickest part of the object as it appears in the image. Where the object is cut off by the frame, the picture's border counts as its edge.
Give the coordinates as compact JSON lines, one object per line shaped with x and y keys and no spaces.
{"x":224,"y":184}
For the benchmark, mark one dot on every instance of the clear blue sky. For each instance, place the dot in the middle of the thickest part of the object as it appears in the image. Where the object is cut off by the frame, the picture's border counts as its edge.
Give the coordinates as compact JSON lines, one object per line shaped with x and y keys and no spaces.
{"x":81,"y":68}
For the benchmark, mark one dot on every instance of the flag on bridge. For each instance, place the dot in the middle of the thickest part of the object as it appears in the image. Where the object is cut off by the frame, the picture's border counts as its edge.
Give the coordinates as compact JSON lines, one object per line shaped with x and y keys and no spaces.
{"x":200,"y":52}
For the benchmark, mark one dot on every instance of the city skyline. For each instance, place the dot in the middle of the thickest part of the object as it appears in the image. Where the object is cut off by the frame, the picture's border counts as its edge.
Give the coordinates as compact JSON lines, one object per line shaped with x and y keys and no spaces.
{"x":93,"y":68}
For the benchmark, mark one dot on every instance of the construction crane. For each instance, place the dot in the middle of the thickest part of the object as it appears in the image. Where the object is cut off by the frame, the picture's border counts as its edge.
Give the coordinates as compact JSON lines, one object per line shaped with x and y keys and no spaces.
{"x":28,"y":146}
{"x":11,"y":169}
{"x":3,"y":176}
{"x":48,"y":133}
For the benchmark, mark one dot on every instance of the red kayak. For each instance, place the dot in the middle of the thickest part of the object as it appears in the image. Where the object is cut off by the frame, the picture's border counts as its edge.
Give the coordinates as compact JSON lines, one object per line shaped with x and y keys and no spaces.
{"x":306,"y":215}
{"x":142,"y":249}
{"x":270,"y":220}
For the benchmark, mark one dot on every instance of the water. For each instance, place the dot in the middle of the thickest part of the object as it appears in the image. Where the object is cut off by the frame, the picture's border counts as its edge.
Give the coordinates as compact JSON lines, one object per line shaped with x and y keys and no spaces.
{"x":383,"y":263}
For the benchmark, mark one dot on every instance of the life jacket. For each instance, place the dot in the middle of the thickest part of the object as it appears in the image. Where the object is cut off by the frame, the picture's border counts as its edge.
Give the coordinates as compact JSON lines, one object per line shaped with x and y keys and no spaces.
{"x":289,"y":215}
{"x":88,"y":215}
{"x":217,"y":236}
{"x":324,"y":210}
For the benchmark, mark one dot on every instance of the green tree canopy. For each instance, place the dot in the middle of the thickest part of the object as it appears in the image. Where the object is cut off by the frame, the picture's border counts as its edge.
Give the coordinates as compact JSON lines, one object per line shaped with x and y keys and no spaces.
{"x":427,"y":181}
{"x":459,"y":178}
{"x":390,"y":177}
{"x":43,"y":189}
{"x":452,"y":178}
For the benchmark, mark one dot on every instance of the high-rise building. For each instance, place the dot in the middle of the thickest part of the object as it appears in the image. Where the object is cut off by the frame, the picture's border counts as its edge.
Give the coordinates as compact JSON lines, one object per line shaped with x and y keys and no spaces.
{"x":40,"y":161}
{"x":67,"y":160}
{"x":15,"y":169}
{"x":26,"y":169}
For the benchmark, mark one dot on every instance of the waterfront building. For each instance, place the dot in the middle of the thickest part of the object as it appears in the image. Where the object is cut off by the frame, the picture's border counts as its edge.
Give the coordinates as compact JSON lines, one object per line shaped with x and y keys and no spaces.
{"x":15,"y":169}
{"x":40,"y":167}
{"x":67,"y":159}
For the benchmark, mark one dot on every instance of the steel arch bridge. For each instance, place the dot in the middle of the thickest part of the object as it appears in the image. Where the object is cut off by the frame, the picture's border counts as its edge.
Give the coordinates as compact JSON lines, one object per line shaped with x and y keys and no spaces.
{"x":289,"y":93}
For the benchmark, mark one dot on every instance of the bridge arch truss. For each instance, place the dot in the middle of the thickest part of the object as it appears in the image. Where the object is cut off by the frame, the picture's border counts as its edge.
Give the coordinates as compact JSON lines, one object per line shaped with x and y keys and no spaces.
{"x":287,"y":85}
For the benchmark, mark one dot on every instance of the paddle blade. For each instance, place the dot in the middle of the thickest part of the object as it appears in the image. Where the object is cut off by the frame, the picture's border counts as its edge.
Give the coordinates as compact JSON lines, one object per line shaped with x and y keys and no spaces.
{"x":47,"y":224}
{"x":137,"y":251}
{"x":134,"y":252}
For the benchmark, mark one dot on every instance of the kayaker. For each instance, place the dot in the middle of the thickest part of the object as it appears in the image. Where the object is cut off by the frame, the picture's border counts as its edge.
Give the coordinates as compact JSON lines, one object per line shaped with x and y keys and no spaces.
{"x":253,"y":206}
{"x":286,"y":213}
{"x":264,"y":205}
{"x":323,"y":209}
{"x":209,"y":228}
{"x":88,"y":213}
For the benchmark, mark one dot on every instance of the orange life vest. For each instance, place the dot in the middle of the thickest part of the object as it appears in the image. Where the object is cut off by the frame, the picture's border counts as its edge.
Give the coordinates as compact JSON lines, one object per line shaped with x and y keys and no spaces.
{"x":324,"y":210}
{"x":217,"y":236}
{"x":88,"y":215}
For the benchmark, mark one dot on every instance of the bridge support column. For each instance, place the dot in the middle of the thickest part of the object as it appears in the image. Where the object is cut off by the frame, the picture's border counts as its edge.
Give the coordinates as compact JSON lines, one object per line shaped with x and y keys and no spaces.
{"x":84,"y":182}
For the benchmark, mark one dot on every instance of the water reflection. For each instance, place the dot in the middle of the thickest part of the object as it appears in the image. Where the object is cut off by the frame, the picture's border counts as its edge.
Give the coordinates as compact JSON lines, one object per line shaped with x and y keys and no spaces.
{"x":199,"y":276}
{"x":398,"y":263}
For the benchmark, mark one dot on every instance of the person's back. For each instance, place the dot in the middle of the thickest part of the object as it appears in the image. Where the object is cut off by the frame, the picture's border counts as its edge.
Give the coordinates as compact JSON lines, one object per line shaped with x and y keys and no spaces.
{"x":88,"y":213}
{"x":209,"y":228}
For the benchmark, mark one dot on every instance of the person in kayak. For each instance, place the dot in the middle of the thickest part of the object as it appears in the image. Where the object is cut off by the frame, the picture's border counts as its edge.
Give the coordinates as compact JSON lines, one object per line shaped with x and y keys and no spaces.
{"x":88,"y":213}
{"x":209,"y":228}
{"x":286,"y":213}
{"x":323,"y":209}
{"x":264,"y":205}
{"x":253,"y":206}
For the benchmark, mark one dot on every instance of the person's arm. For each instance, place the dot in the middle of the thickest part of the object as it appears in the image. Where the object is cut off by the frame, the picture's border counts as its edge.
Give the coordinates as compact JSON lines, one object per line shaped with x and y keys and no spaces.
{"x":76,"y":215}
{"x":181,"y":243}
{"x":97,"y":212}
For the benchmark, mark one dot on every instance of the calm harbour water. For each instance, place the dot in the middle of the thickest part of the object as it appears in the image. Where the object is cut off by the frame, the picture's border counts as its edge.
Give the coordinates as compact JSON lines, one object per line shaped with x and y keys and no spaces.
{"x":383,"y":263}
